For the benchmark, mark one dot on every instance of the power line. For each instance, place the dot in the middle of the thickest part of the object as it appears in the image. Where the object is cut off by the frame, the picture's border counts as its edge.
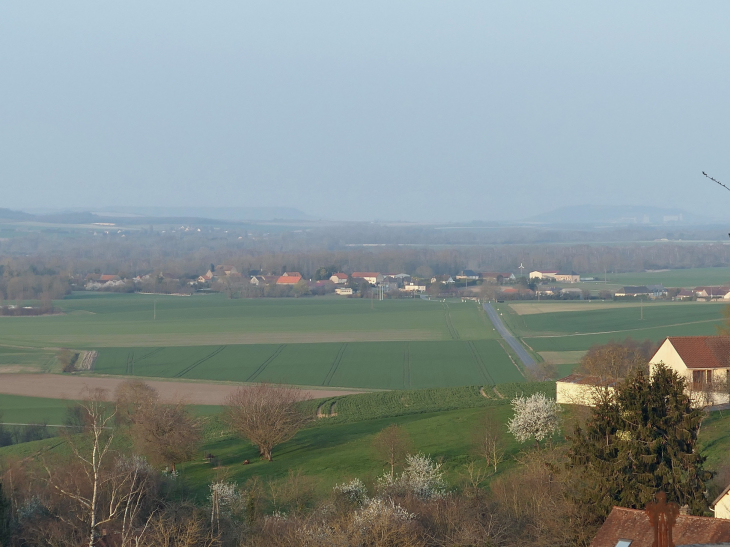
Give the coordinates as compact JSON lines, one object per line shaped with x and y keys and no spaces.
{"x":715,"y":180}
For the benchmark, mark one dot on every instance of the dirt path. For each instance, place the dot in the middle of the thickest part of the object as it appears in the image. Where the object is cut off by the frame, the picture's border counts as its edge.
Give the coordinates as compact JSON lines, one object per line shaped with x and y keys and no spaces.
{"x":56,"y":386}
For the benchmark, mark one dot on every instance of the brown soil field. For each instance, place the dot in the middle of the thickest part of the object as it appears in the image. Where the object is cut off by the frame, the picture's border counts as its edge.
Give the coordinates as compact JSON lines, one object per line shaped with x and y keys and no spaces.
{"x":55,"y":386}
{"x":227,"y":338}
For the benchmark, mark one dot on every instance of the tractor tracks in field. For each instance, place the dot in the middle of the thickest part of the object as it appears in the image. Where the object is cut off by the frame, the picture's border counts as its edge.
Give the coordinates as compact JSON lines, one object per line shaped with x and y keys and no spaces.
{"x":449,"y":323}
{"x":335,"y":364}
{"x":480,"y":363}
{"x":265,"y":364}
{"x":407,"y":366}
{"x":200,"y":361}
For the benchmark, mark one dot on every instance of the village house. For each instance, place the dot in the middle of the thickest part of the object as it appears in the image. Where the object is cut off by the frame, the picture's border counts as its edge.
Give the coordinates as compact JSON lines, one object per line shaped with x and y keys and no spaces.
{"x":657,"y":291}
{"x":548,"y":291}
{"x":206,"y":278}
{"x":225,"y":269}
{"x":704,"y":361}
{"x":442,"y":279}
{"x":580,"y":389}
{"x":685,"y":294}
{"x":343,"y":291}
{"x":289,"y":278}
{"x":712,"y":293}
{"x":632,"y":528}
{"x":339,"y":278}
{"x":371,"y":277}
{"x":721,"y":505}
{"x":497,"y":277}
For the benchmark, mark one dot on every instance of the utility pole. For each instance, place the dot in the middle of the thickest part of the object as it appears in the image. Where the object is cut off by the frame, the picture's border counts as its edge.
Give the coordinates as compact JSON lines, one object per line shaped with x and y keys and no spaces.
{"x":154,"y":309}
{"x":642,"y":308}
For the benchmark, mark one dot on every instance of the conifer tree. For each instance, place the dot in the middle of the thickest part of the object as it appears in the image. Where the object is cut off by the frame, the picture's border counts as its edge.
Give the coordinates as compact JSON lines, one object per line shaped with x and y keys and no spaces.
{"x":640,"y":439}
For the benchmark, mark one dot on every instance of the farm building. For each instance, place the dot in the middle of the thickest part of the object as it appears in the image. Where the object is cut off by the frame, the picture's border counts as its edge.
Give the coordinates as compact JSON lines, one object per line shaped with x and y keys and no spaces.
{"x":413,"y":287}
{"x":704,"y":361}
{"x":567,"y":277}
{"x":339,"y":278}
{"x":343,"y":291}
{"x":543,"y":274}
{"x":371,"y":277}
{"x":469,"y":275}
{"x":633,"y":291}
{"x":721,"y":505}
{"x":288,"y":280}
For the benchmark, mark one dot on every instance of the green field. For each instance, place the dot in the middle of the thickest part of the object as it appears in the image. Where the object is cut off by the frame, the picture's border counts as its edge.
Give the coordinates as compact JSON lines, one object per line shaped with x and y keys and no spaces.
{"x":324,"y":341}
{"x":97,"y":320}
{"x":579,"y":330}
{"x":374,"y":365}
{"x":690,"y":278}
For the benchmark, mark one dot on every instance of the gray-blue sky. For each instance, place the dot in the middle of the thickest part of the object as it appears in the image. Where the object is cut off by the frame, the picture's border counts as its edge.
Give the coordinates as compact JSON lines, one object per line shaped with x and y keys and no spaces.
{"x":360,"y":110}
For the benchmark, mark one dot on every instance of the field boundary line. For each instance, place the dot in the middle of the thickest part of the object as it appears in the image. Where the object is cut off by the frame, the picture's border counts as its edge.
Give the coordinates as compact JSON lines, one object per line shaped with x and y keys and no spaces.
{"x":407,"y":366}
{"x":512,"y":359}
{"x":480,"y":362}
{"x":266,"y":363}
{"x":335,"y":365}
{"x":200,"y":361}
{"x":449,"y":324}
{"x":623,"y":330}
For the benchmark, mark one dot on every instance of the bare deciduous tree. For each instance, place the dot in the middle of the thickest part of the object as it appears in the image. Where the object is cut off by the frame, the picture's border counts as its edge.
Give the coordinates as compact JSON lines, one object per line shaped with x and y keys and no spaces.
{"x":92,"y":453}
{"x":266,"y":414}
{"x":616,"y":360}
{"x":392,"y":445}
{"x":488,"y":440}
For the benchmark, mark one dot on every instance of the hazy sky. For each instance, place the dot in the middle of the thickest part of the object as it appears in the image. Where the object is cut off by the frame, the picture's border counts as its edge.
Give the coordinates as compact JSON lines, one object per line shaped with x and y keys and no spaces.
{"x":410,"y":110}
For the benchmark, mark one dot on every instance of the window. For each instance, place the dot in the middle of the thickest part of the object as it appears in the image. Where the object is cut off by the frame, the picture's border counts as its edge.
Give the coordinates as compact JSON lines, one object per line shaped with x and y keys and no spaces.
{"x":624,"y":543}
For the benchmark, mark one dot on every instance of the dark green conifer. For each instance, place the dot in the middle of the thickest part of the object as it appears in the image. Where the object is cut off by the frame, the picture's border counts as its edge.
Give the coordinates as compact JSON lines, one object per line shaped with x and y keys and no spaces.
{"x":640,"y":439}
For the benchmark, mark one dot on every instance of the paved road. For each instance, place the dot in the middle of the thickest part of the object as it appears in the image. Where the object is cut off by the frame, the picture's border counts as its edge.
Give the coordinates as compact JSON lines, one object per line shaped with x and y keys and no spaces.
{"x":521,"y":352}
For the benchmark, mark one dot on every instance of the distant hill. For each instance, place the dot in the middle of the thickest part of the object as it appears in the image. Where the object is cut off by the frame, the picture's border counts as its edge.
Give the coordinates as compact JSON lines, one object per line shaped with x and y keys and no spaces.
{"x":215,"y":213}
{"x":617,"y":214}
{"x":9,"y":214}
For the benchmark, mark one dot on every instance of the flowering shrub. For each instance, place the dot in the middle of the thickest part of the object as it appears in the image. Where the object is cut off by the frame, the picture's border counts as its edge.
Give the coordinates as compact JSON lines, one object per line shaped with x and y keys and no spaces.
{"x":422,"y":477}
{"x":353,"y":491}
{"x":535,"y":417}
{"x":377,"y":511}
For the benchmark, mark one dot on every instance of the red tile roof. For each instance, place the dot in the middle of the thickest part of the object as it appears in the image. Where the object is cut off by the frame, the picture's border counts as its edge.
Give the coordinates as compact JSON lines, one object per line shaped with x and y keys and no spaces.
{"x":108,"y":277}
{"x":634,"y":525}
{"x":288,"y":280}
{"x":702,"y":351}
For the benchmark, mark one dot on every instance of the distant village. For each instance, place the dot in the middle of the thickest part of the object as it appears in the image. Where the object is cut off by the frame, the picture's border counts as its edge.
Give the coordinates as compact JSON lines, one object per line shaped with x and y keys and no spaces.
{"x":537,"y":284}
